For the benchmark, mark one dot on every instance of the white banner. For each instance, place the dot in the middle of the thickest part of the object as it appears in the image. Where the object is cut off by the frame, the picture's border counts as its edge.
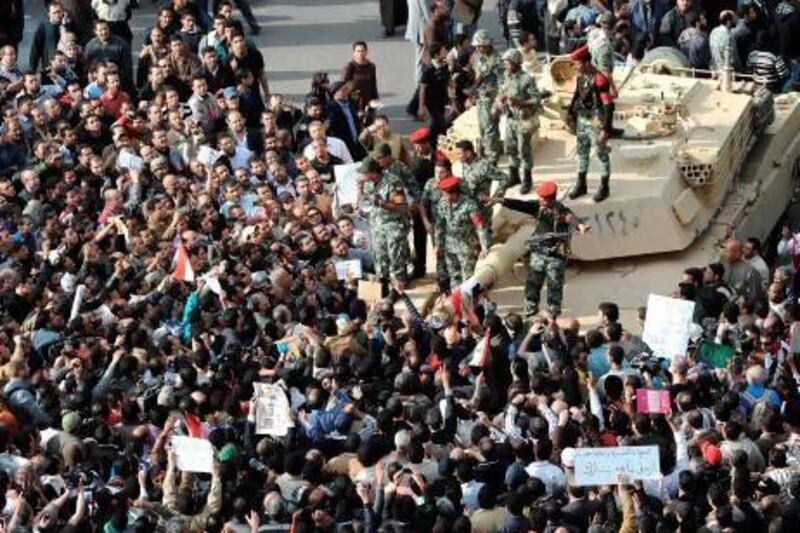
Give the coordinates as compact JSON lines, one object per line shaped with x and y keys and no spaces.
{"x":193,"y":455}
{"x":602,"y":466}
{"x":667,"y":326}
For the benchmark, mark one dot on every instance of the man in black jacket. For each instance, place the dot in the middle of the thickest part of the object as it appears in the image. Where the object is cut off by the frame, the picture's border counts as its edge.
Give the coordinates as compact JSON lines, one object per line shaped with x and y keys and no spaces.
{"x":343,"y":117}
{"x":46,"y":37}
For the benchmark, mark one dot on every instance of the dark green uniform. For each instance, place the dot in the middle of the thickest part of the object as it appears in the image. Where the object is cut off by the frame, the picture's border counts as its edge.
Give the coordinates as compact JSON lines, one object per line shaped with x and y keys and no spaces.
{"x":548,"y":262}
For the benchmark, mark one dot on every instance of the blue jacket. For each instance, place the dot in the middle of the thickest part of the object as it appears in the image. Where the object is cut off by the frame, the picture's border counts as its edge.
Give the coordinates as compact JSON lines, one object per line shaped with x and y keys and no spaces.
{"x":22,"y":403}
{"x":323,"y":422}
{"x":637,"y":19}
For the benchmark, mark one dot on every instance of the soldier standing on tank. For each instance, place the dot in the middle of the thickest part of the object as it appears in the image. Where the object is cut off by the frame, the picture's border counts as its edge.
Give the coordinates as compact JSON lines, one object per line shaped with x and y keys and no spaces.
{"x":460,"y":232}
{"x":384,"y":196}
{"x":548,"y":260}
{"x":477,"y":175}
{"x":601,"y":50}
{"x":519,"y":100}
{"x":488,"y":70}
{"x":591,"y":113}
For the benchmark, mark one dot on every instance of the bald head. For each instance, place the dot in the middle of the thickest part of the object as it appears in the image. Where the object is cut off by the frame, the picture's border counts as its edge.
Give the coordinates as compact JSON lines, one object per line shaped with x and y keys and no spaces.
{"x":733,"y":250}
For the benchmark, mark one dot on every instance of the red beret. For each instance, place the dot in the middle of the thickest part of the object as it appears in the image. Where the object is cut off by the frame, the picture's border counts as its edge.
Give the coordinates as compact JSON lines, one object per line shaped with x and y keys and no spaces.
{"x":580,"y":54}
{"x":441,"y":160}
{"x":449,"y":184}
{"x":422,"y":135}
{"x":546,"y":189}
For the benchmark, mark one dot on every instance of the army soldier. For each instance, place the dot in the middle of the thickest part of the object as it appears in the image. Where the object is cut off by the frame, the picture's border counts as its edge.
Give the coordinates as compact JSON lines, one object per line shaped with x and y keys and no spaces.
{"x":488,"y":74}
{"x":383,"y":156}
{"x":477,"y":175}
{"x":460,"y":232}
{"x":431,"y":197}
{"x":601,"y":50}
{"x":421,"y":166}
{"x":519,"y":99}
{"x":548,"y":261}
{"x":384,"y":196}
{"x":591,"y":113}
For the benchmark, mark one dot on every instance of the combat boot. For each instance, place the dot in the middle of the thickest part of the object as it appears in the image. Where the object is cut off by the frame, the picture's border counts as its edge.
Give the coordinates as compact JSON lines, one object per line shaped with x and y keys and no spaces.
{"x":513,"y":176}
{"x":602,"y":190}
{"x":527,"y":182}
{"x":579,"y":189}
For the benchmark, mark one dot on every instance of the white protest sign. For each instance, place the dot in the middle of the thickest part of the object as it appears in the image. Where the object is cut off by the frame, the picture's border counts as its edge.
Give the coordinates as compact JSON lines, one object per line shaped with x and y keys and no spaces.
{"x":273,"y":414}
{"x":130,"y":161}
{"x":193,"y":455}
{"x":347,"y":183}
{"x":601,"y":466}
{"x":207,"y":155}
{"x":667,"y":328}
{"x":345,"y":268}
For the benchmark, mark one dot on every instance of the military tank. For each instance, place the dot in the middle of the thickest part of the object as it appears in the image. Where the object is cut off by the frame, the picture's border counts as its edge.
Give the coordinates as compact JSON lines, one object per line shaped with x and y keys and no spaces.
{"x":696,"y":165}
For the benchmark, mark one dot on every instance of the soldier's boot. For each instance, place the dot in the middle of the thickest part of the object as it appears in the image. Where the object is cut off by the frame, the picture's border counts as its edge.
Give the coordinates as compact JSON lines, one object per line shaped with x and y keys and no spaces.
{"x":579,"y":189}
{"x":602,"y":191}
{"x":527,"y":182}
{"x":513,"y":176}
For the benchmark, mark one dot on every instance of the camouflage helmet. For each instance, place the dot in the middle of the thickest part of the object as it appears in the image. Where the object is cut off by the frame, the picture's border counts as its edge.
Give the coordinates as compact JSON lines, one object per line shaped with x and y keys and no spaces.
{"x":481,"y":38}
{"x":513,"y":55}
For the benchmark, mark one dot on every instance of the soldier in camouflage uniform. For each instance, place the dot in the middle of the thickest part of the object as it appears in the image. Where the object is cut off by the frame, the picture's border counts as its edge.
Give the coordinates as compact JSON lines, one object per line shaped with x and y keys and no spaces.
{"x":382,"y":154}
{"x":519,"y":99}
{"x":431,"y":197}
{"x":601,"y":50}
{"x":477,"y":175}
{"x":488,"y":74}
{"x":591,"y":111}
{"x":383,"y":194}
{"x":548,"y":260}
{"x":460,"y":232}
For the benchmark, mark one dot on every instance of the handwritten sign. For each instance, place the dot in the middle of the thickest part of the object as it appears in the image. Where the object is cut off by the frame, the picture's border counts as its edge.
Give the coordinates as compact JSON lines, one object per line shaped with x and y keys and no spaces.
{"x":667,"y":326}
{"x":273,"y":415}
{"x":193,"y":455}
{"x":346,"y":268}
{"x":652,"y":401}
{"x":207,"y":155}
{"x":369,"y":291}
{"x":346,"y":177}
{"x":601,"y":466}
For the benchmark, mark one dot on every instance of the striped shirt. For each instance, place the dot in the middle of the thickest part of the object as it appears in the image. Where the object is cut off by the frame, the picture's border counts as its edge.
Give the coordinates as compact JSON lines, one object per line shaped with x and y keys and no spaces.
{"x":767,"y":69}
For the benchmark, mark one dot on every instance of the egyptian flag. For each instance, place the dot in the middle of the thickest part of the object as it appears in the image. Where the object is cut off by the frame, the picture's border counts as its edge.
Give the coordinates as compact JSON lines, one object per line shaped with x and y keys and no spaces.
{"x":183,"y":267}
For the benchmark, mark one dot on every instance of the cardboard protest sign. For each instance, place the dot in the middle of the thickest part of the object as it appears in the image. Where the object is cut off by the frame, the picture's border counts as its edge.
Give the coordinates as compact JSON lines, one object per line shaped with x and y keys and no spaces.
{"x":193,"y":455}
{"x":369,"y":291}
{"x":652,"y":401}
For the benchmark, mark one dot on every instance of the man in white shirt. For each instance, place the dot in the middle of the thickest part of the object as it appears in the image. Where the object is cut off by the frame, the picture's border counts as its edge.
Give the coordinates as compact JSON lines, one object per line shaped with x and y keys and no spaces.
{"x":752,"y":254}
{"x":237,"y":155}
{"x":551,"y":475}
{"x":337,"y":147}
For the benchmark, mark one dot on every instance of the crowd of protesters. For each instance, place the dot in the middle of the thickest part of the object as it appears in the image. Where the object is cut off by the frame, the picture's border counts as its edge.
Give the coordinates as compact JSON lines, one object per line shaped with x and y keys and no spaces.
{"x":169,"y":234}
